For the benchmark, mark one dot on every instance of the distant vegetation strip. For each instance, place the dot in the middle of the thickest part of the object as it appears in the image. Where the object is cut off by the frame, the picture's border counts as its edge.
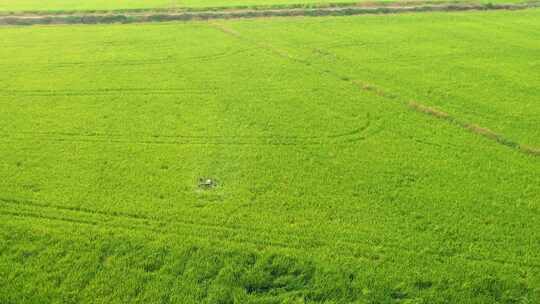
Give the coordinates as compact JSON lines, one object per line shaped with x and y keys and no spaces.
{"x":340,"y":9}
{"x":485,"y":132}
{"x":264,"y":7}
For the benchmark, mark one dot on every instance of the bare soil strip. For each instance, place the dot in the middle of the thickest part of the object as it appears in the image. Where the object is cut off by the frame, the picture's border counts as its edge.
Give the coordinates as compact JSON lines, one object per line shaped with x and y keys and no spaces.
{"x":138,"y":16}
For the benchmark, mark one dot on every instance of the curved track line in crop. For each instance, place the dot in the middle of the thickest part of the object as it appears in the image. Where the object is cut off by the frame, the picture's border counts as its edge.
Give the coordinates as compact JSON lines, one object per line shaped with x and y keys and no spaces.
{"x":121,"y":91}
{"x":101,"y":92}
{"x":254,"y":237}
{"x":122,"y":63}
{"x":485,"y":132}
{"x":482,"y":131}
{"x":196,"y":233}
{"x":350,"y":136}
{"x":251,"y":235}
{"x":40,"y":216}
{"x":104,"y":217}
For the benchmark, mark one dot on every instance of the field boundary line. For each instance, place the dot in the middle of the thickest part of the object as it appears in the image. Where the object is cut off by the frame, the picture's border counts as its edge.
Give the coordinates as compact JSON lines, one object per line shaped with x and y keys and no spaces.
{"x":36,"y":18}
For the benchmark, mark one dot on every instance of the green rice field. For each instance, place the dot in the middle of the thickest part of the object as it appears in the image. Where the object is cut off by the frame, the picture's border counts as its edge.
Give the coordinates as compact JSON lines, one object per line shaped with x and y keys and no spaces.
{"x":360,"y":159}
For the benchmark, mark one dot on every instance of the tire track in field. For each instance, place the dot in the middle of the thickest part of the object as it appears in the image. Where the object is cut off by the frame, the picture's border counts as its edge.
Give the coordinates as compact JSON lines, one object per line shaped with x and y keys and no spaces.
{"x":350,"y":136}
{"x":231,"y":234}
{"x":101,"y":92}
{"x":120,"y":92}
{"x":368,"y":87}
{"x":40,"y":216}
{"x":354,"y":248}
{"x":189,"y":232}
{"x":103,"y":219}
{"x":391,"y":249}
{"x":322,"y":50}
{"x":139,"y":134}
{"x":122,"y":63}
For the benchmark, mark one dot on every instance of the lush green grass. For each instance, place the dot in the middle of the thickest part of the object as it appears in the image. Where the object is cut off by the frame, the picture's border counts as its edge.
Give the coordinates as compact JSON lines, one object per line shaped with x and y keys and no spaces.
{"x":331,"y":188}
{"x":79,"y":5}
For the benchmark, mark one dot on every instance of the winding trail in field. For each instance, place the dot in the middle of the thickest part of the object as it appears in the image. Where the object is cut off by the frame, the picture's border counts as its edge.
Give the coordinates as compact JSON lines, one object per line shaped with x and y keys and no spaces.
{"x":164,"y":15}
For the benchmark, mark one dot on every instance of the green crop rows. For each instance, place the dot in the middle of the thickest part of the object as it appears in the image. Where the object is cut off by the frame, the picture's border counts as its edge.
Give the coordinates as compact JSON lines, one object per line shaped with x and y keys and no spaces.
{"x":372,"y":159}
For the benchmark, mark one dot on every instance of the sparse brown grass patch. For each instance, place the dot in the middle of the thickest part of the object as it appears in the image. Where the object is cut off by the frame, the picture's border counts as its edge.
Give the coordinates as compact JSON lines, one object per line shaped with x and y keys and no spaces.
{"x":491,"y":135}
{"x":373,"y":89}
{"x":530,"y":150}
{"x":429,"y":110}
{"x":483,"y":131}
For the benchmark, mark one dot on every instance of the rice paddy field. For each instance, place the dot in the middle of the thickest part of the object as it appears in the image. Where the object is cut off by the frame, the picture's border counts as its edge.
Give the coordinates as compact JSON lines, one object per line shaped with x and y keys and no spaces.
{"x":365,"y":159}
